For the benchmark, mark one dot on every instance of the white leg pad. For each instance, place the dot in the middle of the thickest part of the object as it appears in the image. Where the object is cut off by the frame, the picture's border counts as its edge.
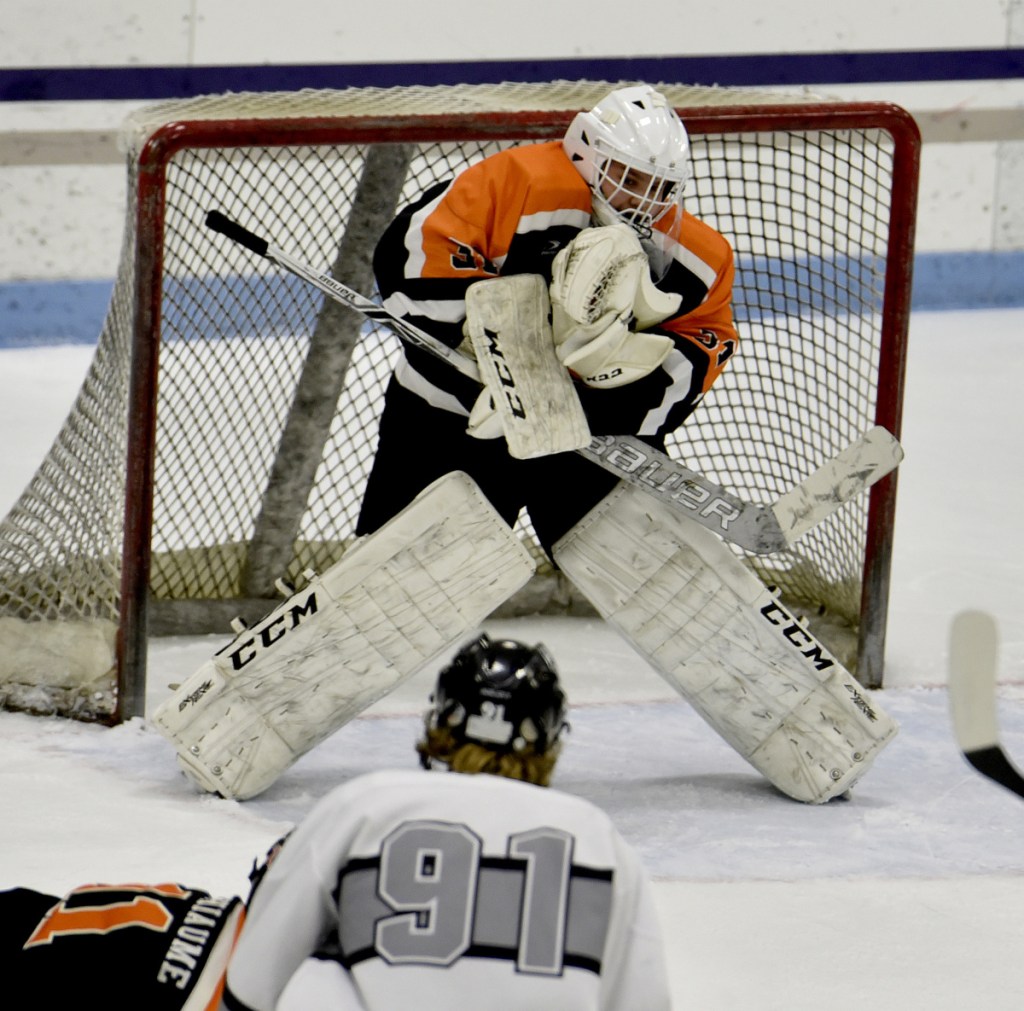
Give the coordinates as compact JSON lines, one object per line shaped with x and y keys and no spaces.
{"x":393,"y":603}
{"x":725,"y":643}
{"x":508,"y":319}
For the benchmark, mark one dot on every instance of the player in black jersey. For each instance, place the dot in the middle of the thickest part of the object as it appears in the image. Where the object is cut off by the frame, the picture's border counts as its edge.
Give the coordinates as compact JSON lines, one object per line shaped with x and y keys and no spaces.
{"x":162,"y":947}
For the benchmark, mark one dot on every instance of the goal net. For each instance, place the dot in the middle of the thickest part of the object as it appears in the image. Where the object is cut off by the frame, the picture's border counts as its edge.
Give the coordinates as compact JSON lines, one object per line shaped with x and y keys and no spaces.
{"x":225,"y":429}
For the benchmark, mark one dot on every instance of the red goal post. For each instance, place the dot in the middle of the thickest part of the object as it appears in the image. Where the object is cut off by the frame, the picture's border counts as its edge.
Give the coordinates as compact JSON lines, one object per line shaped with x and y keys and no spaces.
{"x":225,"y":429}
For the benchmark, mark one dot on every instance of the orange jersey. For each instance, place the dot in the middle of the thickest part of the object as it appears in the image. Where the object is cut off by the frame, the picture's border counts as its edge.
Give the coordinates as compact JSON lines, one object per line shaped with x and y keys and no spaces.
{"x":510,"y":214}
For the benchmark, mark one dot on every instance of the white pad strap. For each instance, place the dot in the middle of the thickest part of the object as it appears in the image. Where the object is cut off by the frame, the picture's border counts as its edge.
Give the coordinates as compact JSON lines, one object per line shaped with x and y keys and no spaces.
{"x":508,"y":321}
{"x":726,"y":644}
{"x":395,"y":601}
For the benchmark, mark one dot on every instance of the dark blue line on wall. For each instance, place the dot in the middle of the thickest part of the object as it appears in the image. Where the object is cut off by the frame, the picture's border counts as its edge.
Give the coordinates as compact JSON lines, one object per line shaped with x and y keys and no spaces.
{"x":764,"y":70}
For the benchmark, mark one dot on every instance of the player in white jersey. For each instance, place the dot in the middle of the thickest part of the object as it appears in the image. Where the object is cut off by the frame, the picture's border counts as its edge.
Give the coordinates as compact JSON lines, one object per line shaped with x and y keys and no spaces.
{"x":482,"y":890}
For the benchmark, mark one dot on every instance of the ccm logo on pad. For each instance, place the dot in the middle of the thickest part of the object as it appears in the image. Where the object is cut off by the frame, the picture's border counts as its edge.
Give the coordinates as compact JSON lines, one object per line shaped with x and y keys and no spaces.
{"x":264,"y":636}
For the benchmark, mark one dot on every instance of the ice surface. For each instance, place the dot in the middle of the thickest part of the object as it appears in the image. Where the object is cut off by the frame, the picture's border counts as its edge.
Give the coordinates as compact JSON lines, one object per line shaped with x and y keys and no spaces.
{"x":908,"y":895}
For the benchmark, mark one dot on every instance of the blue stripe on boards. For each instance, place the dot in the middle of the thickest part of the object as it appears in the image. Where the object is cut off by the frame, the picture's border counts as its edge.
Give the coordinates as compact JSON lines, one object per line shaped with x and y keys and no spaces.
{"x":39,"y":84}
{"x":982,"y":280}
{"x":72,"y":312}
{"x":52,"y":312}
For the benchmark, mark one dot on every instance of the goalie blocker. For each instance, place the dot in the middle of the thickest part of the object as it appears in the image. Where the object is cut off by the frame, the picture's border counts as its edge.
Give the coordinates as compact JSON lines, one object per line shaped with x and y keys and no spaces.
{"x":393,"y":603}
{"x":726,"y":644}
{"x":531,"y":393}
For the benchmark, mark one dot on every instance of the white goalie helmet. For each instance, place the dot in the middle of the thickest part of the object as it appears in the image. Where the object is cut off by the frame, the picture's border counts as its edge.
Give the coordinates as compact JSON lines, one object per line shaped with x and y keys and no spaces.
{"x":634,"y":153}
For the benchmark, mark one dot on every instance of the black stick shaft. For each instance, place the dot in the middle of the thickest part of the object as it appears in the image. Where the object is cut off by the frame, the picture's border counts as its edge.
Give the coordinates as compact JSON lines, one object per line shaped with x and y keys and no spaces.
{"x":233,"y":230}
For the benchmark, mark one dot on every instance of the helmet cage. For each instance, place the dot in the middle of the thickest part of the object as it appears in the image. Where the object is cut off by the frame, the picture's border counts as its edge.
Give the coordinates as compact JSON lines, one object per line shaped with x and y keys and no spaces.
{"x":623,"y":191}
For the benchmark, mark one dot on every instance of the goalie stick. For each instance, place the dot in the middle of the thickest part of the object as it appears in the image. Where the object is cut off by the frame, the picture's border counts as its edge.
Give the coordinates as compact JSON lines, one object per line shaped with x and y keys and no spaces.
{"x":973,"y":652}
{"x":759,"y":529}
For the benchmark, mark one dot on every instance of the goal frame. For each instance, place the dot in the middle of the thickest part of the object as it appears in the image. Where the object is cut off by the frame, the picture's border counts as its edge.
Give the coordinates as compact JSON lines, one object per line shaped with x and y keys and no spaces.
{"x":165,"y":142}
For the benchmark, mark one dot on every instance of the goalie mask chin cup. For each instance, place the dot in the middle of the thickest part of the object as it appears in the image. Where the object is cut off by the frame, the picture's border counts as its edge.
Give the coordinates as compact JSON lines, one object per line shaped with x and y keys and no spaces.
{"x":634,"y":153}
{"x":502,"y":695}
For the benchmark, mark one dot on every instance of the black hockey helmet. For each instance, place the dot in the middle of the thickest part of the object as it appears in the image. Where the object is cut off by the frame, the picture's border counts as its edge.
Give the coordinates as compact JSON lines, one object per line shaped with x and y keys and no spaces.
{"x":502,"y":695}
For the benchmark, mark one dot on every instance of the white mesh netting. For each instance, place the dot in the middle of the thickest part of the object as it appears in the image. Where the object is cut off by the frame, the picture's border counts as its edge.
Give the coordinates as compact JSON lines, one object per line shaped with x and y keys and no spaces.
{"x":267,"y":398}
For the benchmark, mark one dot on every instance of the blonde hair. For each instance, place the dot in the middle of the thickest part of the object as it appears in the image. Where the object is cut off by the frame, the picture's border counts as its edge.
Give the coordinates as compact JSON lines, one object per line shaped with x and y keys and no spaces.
{"x":440,"y":744}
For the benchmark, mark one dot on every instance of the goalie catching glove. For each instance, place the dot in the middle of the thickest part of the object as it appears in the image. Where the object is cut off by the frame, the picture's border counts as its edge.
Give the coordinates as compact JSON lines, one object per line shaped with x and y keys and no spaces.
{"x":600,"y":288}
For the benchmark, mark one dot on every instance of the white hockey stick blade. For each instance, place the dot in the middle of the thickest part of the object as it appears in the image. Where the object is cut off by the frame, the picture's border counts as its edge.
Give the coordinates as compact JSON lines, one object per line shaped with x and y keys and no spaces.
{"x":973,"y":645}
{"x":755,"y":528}
{"x":973,"y":668}
{"x":840,"y":480}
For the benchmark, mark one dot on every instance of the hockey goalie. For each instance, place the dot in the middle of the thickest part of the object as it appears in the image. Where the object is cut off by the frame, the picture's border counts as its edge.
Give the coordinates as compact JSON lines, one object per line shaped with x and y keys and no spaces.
{"x":455,"y":466}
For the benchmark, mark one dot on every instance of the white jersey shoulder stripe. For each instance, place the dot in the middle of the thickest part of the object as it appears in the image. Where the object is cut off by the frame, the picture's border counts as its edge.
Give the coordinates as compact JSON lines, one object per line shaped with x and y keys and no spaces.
{"x":542,"y":220}
{"x":414,"y":248}
{"x":694,"y":263}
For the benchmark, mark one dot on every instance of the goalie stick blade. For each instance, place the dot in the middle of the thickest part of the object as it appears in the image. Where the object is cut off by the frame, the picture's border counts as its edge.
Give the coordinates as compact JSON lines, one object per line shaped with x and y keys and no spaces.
{"x":973,"y":649}
{"x":838,"y":481}
{"x":752,"y":527}
{"x":973,"y":645}
{"x":759,"y":529}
